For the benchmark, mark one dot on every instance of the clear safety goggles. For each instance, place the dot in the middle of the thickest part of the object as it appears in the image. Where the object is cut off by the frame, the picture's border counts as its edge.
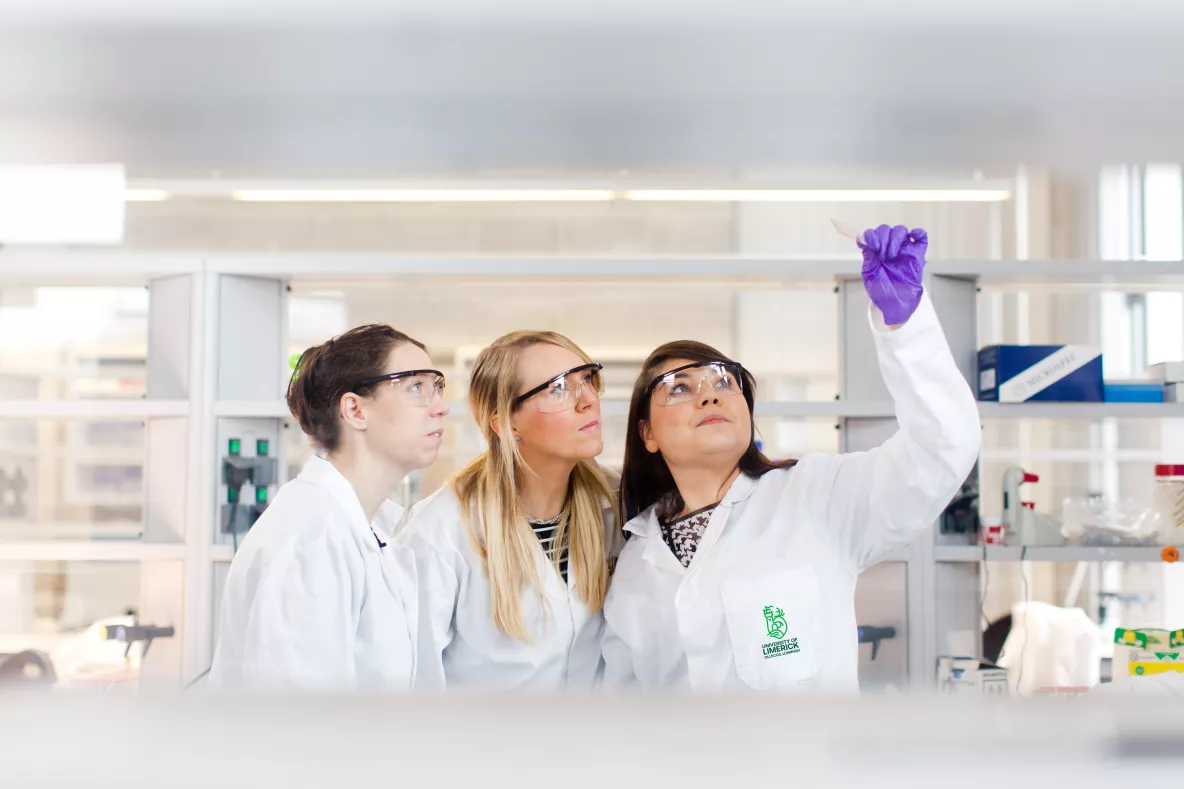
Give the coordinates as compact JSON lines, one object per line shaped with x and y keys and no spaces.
{"x":691,"y":381}
{"x":414,"y":387}
{"x":563,"y":391}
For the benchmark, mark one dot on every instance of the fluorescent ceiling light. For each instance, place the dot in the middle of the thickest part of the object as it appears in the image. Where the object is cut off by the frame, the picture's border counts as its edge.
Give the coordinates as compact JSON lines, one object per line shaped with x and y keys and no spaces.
{"x":423,"y":195}
{"x":145,"y":195}
{"x":820,"y":195}
{"x":377,"y":192}
{"x":79,"y":204}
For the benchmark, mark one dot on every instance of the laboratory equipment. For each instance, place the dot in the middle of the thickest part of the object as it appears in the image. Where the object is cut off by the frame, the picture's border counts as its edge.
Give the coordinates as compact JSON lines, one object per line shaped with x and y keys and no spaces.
{"x":961,"y":515}
{"x":133,"y":634}
{"x":848,"y":231}
{"x":1106,"y":599}
{"x":868,"y":634}
{"x":87,"y":658}
{"x":30,"y":667}
{"x":238,"y":471}
{"x":1020,"y":520}
{"x":991,"y":531}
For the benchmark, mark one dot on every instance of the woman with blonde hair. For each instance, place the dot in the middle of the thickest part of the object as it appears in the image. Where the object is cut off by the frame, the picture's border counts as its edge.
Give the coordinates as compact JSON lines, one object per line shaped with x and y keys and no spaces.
{"x":513,"y":555}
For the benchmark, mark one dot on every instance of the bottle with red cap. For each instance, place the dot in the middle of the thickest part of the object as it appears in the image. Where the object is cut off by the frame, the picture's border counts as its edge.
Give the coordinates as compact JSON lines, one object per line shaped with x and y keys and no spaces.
{"x":1169,"y":500}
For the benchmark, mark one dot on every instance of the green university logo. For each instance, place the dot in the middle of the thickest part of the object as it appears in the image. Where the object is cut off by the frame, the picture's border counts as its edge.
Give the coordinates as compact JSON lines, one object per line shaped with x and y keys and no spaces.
{"x":775,"y":623}
{"x":776,"y":628}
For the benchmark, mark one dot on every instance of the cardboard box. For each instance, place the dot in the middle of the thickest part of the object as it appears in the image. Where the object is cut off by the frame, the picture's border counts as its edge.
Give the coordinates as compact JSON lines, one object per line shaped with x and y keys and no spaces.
{"x":971,"y":677}
{"x":1168,"y":372}
{"x":1133,"y":392}
{"x":1040,"y":373}
{"x":1146,"y":652}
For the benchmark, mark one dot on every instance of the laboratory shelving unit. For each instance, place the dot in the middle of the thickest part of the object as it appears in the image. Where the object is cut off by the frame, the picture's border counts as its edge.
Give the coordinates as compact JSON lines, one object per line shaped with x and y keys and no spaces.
{"x":216,"y":368}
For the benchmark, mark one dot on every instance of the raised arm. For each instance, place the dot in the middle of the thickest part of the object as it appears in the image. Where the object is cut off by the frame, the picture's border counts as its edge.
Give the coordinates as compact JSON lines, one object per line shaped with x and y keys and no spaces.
{"x":881,"y":500}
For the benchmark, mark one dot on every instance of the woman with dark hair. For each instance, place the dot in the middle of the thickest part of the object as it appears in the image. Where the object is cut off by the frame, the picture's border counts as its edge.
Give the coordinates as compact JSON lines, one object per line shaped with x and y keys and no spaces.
{"x":315,"y":596}
{"x":740,"y":571}
{"x":686,"y":363}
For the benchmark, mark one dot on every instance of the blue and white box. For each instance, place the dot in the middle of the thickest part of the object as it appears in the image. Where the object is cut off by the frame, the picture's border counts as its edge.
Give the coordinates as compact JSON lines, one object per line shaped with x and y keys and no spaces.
{"x":1040,"y":373}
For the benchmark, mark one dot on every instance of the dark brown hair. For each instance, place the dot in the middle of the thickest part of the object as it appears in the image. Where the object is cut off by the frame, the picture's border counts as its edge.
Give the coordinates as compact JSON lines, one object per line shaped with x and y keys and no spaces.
{"x":645,"y":477}
{"x":327,"y":372}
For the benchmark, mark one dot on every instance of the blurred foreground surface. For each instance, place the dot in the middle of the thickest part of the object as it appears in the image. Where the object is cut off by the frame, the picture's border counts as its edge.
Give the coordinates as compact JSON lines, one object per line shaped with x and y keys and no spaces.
{"x":198,"y":740}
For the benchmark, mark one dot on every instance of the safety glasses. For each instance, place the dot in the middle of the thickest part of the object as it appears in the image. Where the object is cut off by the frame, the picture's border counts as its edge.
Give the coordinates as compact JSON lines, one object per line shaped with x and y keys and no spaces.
{"x":416,"y":387}
{"x":563,"y":391}
{"x":687,"y":383}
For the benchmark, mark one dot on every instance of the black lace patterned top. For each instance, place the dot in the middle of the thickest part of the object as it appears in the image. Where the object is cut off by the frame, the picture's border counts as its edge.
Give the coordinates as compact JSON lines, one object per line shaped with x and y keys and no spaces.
{"x":683,"y":534}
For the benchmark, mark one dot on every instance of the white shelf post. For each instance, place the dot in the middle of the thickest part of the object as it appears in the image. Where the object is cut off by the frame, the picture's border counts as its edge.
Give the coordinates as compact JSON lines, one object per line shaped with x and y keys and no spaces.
{"x":167,"y":586}
{"x":249,"y":369}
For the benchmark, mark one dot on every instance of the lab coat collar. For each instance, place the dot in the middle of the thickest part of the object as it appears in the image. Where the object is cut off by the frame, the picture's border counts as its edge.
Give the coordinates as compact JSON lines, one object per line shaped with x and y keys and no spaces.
{"x":320,"y":472}
{"x":741,"y":488}
{"x":646,"y":527}
{"x":646,"y":524}
{"x":387,"y":520}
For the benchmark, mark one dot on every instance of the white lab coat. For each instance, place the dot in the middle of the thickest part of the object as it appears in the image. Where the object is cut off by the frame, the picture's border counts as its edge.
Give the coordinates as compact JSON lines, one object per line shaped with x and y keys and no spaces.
{"x":312,"y":601}
{"x":458,"y":643}
{"x":768,"y":599}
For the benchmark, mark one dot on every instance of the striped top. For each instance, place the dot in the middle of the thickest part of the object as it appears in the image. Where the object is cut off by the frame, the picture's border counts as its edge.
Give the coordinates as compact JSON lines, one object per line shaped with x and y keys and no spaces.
{"x":545,"y":531}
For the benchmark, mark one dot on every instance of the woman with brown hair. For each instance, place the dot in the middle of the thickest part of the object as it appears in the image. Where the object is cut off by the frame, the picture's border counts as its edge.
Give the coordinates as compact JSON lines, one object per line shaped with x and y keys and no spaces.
{"x":315,"y":596}
{"x":513,"y":555}
{"x":739,"y":571}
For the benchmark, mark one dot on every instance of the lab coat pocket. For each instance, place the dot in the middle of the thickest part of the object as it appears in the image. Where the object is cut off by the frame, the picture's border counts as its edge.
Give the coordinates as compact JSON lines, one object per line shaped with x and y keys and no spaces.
{"x":773,"y":624}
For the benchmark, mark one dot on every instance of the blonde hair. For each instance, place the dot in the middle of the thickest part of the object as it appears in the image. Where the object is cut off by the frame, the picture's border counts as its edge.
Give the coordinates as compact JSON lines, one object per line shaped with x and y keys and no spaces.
{"x":488,"y":490}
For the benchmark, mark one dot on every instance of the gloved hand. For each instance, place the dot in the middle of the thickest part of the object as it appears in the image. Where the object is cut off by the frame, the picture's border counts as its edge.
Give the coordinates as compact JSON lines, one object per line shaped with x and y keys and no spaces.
{"x":892,"y":262}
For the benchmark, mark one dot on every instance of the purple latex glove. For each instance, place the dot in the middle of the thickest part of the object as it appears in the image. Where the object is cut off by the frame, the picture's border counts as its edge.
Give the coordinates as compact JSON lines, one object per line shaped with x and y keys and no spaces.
{"x":892,"y":262}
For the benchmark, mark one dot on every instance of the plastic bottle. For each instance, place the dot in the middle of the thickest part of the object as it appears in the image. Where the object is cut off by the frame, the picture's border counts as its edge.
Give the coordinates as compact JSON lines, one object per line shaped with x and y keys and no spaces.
{"x":1169,"y":500}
